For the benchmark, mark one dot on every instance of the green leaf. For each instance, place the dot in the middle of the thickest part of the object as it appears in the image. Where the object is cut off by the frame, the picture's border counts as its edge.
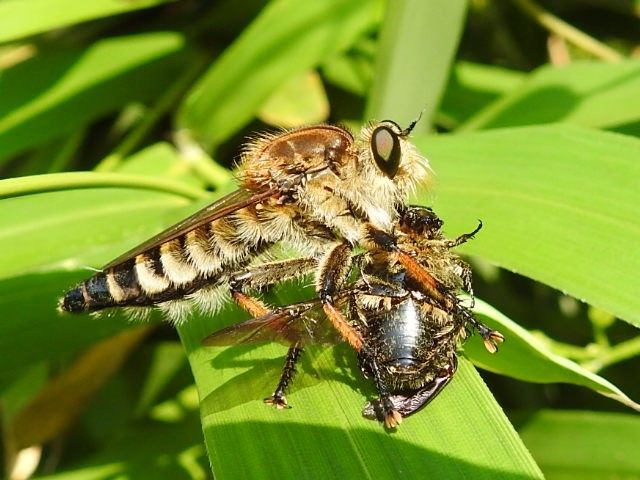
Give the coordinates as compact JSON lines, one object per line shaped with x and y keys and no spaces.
{"x":462,"y":433}
{"x":353,"y":70}
{"x":44,"y":235}
{"x":301,"y":100}
{"x":559,"y":205}
{"x":58,"y":92}
{"x":19,"y":18}
{"x":527,"y":358}
{"x":473,"y":86}
{"x":417,"y":45}
{"x":288,"y":37}
{"x":157,"y":450}
{"x":592,"y":94}
{"x":582,"y":445}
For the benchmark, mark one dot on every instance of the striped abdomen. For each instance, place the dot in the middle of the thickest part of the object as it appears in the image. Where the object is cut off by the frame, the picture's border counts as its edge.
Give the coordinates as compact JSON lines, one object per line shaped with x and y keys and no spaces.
{"x":201,"y":257}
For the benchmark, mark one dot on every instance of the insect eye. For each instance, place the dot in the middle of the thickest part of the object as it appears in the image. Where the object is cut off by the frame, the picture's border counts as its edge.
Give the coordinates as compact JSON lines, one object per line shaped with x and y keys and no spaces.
{"x":385,"y":145}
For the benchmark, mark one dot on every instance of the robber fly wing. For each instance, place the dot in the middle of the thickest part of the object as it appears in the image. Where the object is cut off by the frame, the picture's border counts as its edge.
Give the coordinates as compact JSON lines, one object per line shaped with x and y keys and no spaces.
{"x":226,"y":205}
{"x":286,"y":324}
{"x":303,"y":322}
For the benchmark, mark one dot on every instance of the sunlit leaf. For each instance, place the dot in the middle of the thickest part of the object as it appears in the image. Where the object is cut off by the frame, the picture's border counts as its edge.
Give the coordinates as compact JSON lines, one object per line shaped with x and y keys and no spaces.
{"x":559,"y":205}
{"x":23,"y":18}
{"x":592,"y":94}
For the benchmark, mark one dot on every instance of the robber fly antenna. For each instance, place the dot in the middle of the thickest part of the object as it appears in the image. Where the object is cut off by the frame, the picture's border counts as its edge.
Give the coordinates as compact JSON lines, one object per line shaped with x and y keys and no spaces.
{"x":411,"y":126}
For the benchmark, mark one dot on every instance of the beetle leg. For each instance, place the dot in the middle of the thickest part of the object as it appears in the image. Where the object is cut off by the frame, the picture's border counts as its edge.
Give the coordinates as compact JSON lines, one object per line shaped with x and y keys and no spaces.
{"x":491,"y":338}
{"x":411,"y":402}
{"x":387,"y":412}
{"x":465,"y":237}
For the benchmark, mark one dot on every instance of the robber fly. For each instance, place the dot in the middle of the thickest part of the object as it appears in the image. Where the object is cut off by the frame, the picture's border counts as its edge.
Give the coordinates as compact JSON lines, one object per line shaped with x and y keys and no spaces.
{"x":318,"y":189}
{"x":405,"y":323}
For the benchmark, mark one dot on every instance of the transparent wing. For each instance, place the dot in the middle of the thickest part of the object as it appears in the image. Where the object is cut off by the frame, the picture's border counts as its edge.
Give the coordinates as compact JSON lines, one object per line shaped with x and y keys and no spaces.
{"x":303,"y":322}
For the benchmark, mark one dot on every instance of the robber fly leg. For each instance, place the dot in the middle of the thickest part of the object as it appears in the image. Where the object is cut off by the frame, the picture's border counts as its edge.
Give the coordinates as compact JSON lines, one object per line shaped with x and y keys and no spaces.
{"x":464,"y":272}
{"x":278,"y":399}
{"x":426,"y":281}
{"x":262,"y":276}
{"x":332,"y":274}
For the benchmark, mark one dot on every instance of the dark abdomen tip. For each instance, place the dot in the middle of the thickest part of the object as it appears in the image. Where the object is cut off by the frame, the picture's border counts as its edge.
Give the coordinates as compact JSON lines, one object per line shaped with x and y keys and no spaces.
{"x":73,"y":301}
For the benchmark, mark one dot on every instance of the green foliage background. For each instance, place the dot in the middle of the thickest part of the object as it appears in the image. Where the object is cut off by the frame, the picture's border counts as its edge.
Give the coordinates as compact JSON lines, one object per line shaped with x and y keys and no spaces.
{"x":119,"y":118}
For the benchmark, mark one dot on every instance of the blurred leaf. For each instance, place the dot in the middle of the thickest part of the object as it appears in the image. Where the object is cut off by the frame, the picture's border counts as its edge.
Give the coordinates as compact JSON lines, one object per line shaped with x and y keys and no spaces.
{"x":65,"y":231}
{"x":168,"y":359}
{"x":58,"y":92}
{"x":417,"y":45}
{"x":592,"y":94}
{"x":154,"y":450}
{"x":20,"y":18}
{"x":299,"y":101}
{"x":288,"y":37}
{"x":629,"y":7}
{"x":352,"y":70}
{"x":462,"y":433}
{"x":527,"y":358}
{"x":559,"y":205}
{"x":161,"y":159}
{"x":583,"y":445}
{"x":58,"y":405}
{"x":62,"y":222}
{"x":471,"y":87}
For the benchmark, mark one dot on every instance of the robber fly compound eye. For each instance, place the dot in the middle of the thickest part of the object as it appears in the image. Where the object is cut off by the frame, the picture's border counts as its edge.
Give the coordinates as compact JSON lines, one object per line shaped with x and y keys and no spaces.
{"x":385,"y":147}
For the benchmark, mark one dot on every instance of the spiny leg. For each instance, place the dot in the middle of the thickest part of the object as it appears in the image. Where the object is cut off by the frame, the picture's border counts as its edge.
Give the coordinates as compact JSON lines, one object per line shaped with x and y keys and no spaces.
{"x":278,"y":399}
{"x":259,"y":277}
{"x":465,"y":237}
{"x":432,"y":286}
{"x":491,"y":338}
{"x":264,"y":275}
{"x":409,"y":403}
{"x":334,"y":270}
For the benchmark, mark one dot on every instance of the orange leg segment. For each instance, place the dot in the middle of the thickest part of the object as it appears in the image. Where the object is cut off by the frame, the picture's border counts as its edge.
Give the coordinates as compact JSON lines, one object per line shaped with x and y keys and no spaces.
{"x":251,"y":305}
{"x":345,"y":330}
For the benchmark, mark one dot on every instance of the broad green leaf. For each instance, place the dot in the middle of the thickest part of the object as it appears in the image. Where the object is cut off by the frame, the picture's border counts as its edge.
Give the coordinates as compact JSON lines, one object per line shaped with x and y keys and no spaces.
{"x":59,"y":91}
{"x":582,"y":445}
{"x":288,"y":37}
{"x":463,"y":432}
{"x":473,"y":86}
{"x":527,"y":358}
{"x":44,"y":235}
{"x":300,"y":101}
{"x":418,"y":42}
{"x":559,"y":205}
{"x":592,"y":94}
{"x":20,"y":18}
